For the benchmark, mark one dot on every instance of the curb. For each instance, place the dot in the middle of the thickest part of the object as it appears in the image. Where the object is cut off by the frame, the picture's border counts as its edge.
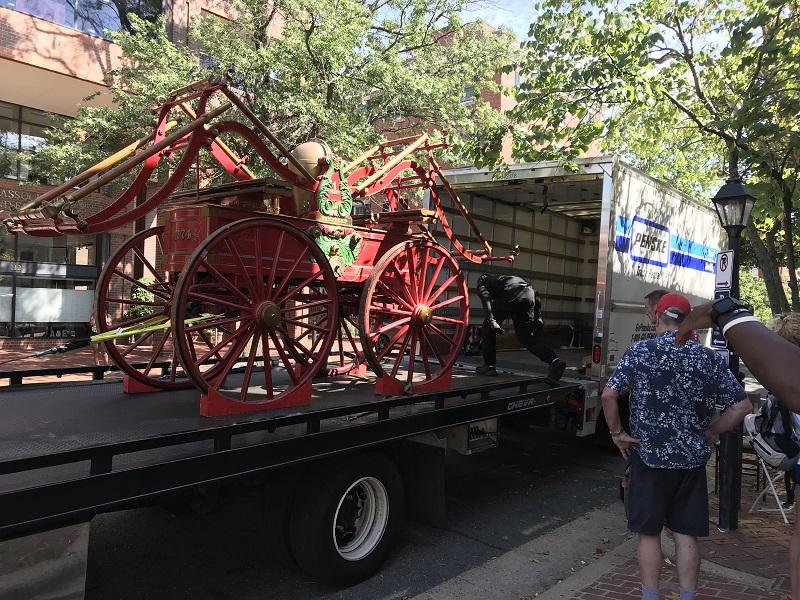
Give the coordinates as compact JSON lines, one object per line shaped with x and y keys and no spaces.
{"x":592,"y":572}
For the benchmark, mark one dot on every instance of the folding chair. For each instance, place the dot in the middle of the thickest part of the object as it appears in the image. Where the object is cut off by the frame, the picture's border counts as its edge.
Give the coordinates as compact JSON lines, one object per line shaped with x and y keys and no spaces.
{"x":770,"y":488}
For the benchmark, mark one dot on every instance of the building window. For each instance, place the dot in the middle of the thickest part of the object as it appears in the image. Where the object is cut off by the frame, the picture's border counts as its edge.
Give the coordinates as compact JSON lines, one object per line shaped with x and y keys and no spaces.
{"x":469,"y":95}
{"x":94,"y":17}
{"x":22,"y":129}
{"x":46,"y":307}
{"x":62,"y":250}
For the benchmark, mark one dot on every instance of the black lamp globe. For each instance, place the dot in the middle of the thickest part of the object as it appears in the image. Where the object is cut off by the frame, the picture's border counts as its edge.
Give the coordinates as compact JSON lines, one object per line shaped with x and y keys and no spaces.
{"x":733,"y":204}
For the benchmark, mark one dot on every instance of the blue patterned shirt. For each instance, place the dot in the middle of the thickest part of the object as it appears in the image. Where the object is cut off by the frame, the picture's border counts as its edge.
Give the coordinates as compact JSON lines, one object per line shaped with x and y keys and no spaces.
{"x":673,"y":394}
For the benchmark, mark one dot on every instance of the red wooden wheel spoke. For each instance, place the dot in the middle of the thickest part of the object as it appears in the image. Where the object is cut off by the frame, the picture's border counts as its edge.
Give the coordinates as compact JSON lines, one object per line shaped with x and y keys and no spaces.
{"x":156,"y":352}
{"x":443,"y":288}
{"x":448,"y":320}
{"x":267,"y":364}
{"x":350,"y":335}
{"x":150,"y":289}
{"x":399,"y":360}
{"x":282,"y":353}
{"x":432,"y":281}
{"x":440,"y":333}
{"x":390,"y":292}
{"x":447,"y":302}
{"x":412,"y":349}
{"x":275,"y":259}
{"x":391,"y":325}
{"x":204,"y":336}
{"x":234,"y":355}
{"x":216,"y":300}
{"x":134,"y":302}
{"x":341,"y":346}
{"x":211,"y":324}
{"x":137,"y":342}
{"x":402,"y":284}
{"x":147,"y":264}
{"x":242,"y":269}
{"x":423,"y":343}
{"x":432,"y":346}
{"x":306,"y":325}
{"x":309,"y":305}
{"x":285,"y":278}
{"x":166,"y":286}
{"x":257,"y":258}
{"x":296,"y":343}
{"x":423,"y":273}
{"x":248,"y":370}
{"x":321,"y":313}
{"x":299,"y":288}
{"x":224,"y":280}
{"x":392,"y":342}
{"x":226,"y":339}
{"x":412,"y":275}
{"x":391,"y":311}
{"x":316,"y":343}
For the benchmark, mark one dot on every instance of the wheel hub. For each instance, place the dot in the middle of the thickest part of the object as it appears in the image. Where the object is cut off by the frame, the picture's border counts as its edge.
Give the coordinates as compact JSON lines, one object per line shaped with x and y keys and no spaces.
{"x":268,"y":314}
{"x":423,"y":314}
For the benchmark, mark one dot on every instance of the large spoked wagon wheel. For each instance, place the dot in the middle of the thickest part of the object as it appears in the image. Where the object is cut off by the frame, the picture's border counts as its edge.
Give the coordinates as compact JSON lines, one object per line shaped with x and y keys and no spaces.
{"x":266,"y":298}
{"x":414,"y":313}
{"x":133,"y":291}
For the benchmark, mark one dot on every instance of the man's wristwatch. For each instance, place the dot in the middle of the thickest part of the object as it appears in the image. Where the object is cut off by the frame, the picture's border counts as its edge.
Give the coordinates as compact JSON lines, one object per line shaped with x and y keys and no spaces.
{"x":725,"y":310}
{"x":616,"y":433}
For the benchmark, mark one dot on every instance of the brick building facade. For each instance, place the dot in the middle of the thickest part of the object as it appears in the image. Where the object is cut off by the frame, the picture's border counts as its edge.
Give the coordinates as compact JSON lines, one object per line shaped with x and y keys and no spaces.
{"x":53,"y":55}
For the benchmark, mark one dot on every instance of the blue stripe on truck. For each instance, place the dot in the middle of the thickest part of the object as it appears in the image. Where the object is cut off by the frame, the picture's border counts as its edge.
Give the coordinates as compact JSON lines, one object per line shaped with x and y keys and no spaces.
{"x":683,"y":251}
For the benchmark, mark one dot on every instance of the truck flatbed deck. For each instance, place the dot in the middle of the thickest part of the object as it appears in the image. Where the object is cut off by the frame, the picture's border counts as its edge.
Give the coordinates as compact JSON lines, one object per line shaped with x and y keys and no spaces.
{"x":69,"y":451}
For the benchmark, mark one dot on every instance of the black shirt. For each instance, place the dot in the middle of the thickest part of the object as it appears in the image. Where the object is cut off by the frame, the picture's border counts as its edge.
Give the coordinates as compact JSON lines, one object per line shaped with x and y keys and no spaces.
{"x":504,"y":289}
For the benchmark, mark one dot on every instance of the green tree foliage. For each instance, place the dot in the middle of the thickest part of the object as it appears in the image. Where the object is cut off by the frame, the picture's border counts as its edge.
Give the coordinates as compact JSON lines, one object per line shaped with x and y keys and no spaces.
{"x":141,"y":294}
{"x":345,"y":70}
{"x":754,"y":292}
{"x":687,"y":90}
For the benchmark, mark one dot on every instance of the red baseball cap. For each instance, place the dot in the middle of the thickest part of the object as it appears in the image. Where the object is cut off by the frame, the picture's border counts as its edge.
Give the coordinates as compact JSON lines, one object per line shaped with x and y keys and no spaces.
{"x":674,"y":305}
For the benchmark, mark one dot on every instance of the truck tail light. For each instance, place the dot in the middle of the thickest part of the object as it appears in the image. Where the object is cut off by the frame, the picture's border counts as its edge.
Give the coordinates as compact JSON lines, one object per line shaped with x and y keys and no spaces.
{"x":596,"y":353}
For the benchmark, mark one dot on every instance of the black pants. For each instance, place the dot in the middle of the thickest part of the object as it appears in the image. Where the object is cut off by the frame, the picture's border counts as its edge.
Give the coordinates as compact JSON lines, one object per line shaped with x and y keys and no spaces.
{"x":529,"y":330}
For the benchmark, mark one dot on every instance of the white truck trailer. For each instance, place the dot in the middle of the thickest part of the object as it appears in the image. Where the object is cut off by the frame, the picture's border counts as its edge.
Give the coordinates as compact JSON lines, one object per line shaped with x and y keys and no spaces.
{"x":593,"y":240}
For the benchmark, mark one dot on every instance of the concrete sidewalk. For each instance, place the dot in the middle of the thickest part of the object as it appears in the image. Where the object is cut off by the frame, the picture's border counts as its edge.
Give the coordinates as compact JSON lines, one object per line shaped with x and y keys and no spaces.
{"x":748,"y":564}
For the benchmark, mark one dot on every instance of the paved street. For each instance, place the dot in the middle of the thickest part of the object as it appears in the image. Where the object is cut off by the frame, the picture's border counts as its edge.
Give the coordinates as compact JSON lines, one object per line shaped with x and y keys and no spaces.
{"x":502,"y":505}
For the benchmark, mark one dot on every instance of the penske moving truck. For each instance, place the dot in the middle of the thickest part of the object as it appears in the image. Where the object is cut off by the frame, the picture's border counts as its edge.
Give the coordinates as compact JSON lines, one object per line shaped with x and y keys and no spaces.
{"x":592,"y":238}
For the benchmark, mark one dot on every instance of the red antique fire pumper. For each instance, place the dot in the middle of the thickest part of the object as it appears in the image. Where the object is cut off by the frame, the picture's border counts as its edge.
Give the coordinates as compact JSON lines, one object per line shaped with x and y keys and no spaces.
{"x":252,"y":288}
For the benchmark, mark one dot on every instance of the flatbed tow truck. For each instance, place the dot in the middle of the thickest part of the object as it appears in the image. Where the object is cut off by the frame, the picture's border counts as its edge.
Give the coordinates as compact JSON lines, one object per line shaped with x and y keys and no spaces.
{"x":342,"y":472}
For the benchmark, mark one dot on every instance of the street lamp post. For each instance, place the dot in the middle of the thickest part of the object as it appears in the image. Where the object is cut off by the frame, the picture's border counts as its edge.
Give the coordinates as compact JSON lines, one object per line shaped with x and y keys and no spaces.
{"x":733,"y":205}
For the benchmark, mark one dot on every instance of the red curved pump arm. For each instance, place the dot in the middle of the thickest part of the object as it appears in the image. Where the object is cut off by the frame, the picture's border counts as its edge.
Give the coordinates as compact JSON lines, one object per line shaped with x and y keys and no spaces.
{"x":430,"y":183}
{"x":264,"y":152}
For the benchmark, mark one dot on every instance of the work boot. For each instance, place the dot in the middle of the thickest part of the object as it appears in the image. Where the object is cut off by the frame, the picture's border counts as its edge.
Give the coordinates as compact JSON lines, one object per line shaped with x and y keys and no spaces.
{"x":487,"y":370}
{"x":556,"y":369}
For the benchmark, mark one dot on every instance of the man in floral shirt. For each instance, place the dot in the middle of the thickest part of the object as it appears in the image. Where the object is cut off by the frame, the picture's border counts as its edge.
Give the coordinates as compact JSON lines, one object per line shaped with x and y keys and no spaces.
{"x":673,"y":394}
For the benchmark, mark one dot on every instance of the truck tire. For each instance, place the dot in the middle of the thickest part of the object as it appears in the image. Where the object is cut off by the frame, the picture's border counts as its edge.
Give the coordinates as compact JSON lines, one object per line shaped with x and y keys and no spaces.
{"x":344,"y":521}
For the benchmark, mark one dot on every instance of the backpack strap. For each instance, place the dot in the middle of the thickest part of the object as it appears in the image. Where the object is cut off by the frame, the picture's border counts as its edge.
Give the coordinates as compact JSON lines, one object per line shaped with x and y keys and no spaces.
{"x":774,"y":410}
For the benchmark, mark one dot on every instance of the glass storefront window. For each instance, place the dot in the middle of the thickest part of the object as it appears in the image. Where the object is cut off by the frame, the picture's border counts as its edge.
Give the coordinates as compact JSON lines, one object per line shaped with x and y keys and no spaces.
{"x":47,"y":307}
{"x":65,"y":250}
{"x":94,"y":17}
